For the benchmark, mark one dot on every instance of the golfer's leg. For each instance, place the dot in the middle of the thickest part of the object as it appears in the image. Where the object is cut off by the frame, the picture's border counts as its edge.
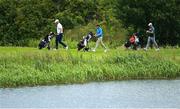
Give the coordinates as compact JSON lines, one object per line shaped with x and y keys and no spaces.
{"x":60,"y":41}
{"x":154,"y":42}
{"x":102,"y":43}
{"x":97,"y":43}
{"x":148,"y":42}
{"x":57,"y":41}
{"x":63,"y":44}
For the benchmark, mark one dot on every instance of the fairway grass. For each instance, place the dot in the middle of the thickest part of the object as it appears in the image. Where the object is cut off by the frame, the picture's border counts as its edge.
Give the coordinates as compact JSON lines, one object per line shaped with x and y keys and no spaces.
{"x":21,"y":66}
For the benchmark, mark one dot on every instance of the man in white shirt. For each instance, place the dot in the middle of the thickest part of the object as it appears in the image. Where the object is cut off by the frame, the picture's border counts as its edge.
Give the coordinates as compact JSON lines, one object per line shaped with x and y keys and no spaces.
{"x":59,"y":35}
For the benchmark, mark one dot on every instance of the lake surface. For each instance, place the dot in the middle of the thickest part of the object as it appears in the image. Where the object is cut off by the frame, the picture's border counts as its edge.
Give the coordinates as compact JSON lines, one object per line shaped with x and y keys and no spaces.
{"x":115,"y":94}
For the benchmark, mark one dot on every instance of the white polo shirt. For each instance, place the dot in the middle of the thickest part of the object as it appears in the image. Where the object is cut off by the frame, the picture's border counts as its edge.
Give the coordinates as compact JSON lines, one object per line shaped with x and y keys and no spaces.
{"x":59,"y":28}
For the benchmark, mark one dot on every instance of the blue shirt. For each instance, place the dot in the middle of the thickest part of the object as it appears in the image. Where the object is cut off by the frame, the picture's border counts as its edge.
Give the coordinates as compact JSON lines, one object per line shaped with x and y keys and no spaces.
{"x":99,"y":32}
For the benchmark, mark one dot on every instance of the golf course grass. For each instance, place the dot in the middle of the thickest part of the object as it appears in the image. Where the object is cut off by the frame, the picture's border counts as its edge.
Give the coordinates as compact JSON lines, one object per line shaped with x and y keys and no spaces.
{"x":21,"y":66}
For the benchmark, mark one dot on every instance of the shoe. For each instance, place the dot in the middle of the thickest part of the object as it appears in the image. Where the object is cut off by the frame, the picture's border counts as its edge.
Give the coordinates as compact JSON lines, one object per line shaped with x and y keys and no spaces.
{"x":157,"y":49}
{"x":54,"y":49}
{"x":94,"y":50}
{"x":105,"y":50}
{"x":145,"y":49}
{"x":66,"y":48}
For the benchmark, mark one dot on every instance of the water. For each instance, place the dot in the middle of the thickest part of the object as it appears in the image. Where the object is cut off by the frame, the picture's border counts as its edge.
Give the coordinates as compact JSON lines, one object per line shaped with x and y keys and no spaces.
{"x":119,"y":94}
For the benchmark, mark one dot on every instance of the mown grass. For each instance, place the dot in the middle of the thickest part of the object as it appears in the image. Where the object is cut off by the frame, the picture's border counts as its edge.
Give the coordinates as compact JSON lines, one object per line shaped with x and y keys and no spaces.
{"x":31,"y":67}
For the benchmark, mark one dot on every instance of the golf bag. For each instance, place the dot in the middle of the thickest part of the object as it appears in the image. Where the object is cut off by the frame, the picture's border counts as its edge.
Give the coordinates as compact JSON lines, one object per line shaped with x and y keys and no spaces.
{"x":83,"y":44}
{"x":133,"y":42}
{"x":127,"y":44}
{"x":46,"y":41}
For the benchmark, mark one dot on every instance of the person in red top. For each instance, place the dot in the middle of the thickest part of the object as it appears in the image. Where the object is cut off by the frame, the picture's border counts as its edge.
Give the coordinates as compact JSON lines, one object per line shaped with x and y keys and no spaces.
{"x":132,"y":39}
{"x":132,"y":42}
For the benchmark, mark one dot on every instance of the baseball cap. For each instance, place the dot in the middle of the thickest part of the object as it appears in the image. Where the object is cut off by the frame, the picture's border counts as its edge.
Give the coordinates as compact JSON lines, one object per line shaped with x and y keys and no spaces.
{"x":56,"y":21}
{"x":150,"y":24}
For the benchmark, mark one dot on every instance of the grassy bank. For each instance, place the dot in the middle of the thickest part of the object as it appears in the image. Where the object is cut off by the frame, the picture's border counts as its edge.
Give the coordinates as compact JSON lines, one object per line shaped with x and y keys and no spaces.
{"x":31,"y":67}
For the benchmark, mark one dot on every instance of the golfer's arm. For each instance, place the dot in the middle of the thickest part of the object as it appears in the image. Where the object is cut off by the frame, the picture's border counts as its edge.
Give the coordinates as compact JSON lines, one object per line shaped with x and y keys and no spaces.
{"x":99,"y":33}
{"x":61,"y":30}
{"x":149,"y":31}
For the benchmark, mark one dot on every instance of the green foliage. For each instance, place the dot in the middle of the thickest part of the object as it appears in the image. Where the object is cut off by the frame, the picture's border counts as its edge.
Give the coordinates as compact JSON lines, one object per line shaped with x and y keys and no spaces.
{"x":69,"y":20}
{"x":22,"y":21}
{"x":7,"y":25}
{"x":164,"y":14}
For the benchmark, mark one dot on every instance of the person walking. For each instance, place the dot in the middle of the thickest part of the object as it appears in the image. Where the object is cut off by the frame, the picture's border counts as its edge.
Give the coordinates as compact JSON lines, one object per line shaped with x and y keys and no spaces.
{"x":99,"y":35}
{"x":59,"y":35}
{"x":151,"y":37}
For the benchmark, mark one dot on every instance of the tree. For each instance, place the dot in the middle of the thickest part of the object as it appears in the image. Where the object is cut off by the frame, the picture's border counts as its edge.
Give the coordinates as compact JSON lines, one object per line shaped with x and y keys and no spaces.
{"x":164,"y":14}
{"x":7,"y":15}
{"x":22,"y":20}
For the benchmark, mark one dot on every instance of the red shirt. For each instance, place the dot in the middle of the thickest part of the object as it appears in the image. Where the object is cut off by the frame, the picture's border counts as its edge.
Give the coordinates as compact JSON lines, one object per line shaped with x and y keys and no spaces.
{"x":132,"y":39}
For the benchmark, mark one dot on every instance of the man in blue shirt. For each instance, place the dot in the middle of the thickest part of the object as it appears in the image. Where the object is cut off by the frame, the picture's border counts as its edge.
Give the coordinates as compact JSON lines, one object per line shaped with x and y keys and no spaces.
{"x":99,"y":35}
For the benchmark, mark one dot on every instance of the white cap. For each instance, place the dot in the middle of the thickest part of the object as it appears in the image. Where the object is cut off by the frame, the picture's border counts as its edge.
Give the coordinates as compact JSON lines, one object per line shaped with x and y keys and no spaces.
{"x":150,"y":24}
{"x":56,"y":21}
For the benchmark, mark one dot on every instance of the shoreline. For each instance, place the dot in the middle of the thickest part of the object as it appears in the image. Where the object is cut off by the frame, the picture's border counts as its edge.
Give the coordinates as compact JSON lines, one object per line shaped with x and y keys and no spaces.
{"x":63,"y":84}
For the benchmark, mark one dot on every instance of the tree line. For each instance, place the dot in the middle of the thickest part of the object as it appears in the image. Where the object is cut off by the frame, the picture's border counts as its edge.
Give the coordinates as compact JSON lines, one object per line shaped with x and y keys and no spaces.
{"x":23,"y":20}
